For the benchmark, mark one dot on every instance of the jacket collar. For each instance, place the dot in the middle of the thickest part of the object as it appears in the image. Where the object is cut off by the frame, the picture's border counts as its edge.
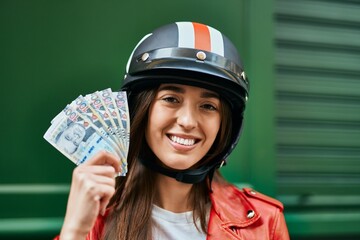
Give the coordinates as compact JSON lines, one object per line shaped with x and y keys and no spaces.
{"x":232,"y":206}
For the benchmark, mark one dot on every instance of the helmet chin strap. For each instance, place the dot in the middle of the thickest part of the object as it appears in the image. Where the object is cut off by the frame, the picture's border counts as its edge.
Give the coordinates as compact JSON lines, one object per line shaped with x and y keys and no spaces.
{"x":189,"y":176}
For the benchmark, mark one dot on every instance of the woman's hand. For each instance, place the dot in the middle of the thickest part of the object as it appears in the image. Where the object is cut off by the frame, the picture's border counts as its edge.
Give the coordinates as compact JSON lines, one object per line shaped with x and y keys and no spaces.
{"x":93,"y":184}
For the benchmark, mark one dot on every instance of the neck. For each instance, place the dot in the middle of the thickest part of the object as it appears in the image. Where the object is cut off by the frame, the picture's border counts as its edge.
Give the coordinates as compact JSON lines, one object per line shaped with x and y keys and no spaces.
{"x":173,"y":195}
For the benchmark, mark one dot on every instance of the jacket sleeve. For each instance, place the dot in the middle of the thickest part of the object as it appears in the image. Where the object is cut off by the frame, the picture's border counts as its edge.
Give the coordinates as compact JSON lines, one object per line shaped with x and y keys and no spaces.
{"x":280,"y":231}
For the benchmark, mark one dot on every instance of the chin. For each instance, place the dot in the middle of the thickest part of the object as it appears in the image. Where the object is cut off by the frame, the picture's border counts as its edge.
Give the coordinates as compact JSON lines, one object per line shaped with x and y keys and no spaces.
{"x":178,"y":165}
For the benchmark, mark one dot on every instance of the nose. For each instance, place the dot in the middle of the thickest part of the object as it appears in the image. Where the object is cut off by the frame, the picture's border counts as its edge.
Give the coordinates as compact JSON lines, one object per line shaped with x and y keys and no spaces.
{"x":187,"y":117}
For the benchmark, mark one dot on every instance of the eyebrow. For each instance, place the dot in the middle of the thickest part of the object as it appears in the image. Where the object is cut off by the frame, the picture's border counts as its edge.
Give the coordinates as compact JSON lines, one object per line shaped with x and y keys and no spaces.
{"x":207,"y":94}
{"x":204,"y":94}
{"x":171,"y":88}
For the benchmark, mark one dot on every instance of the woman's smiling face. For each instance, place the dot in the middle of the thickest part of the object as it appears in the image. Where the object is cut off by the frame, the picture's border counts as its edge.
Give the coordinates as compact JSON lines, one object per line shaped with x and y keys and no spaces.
{"x":183,"y":124}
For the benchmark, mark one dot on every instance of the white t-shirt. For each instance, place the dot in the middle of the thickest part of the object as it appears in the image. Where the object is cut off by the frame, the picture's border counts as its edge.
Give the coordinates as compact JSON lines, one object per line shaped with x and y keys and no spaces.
{"x":174,"y":226}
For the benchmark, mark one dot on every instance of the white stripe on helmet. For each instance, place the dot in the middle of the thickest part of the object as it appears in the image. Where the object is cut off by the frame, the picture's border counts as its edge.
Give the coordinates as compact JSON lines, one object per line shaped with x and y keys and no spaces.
{"x":186,"y":35}
{"x":217,"y":42}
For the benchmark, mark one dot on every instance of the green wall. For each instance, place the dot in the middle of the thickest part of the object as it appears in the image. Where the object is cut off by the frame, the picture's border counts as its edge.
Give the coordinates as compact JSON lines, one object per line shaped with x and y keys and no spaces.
{"x":53,"y":51}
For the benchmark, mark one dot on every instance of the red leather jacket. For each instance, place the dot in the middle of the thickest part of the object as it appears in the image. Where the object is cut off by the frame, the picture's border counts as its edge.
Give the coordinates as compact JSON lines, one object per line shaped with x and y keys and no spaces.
{"x":245,"y":214}
{"x":235,"y":214}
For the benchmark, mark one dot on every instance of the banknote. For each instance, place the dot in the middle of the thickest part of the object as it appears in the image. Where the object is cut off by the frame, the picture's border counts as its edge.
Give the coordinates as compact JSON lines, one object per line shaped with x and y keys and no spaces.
{"x":83,"y":107}
{"x":96,"y":103}
{"x":90,"y":124}
{"x":109,"y":102}
{"x":123,"y":108}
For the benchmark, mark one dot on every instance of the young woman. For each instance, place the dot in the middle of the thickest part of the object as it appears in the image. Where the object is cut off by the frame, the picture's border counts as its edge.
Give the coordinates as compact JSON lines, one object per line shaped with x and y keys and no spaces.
{"x":187,"y":92}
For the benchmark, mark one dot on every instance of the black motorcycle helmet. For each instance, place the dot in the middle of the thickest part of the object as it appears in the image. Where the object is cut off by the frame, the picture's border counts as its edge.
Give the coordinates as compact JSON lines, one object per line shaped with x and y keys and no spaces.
{"x":193,"y":54}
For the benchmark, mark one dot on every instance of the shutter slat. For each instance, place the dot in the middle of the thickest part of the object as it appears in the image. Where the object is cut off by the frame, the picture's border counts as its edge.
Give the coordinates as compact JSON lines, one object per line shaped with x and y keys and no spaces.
{"x":329,"y":11}
{"x":318,"y":35}
{"x":336,"y":112}
{"x":318,"y":164}
{"x":335,"y":84}
{"x":319,"y":136}
{"x":318,"y":58}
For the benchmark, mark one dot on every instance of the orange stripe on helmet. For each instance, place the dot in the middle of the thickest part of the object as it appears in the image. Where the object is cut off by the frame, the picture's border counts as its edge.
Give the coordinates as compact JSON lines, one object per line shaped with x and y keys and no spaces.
{"x":202,"y":37}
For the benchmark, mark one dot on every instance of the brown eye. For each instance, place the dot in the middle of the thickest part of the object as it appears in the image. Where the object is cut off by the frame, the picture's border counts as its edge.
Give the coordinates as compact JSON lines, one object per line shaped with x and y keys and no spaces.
{"x":170,"y":100}
{"x":209,"y":107}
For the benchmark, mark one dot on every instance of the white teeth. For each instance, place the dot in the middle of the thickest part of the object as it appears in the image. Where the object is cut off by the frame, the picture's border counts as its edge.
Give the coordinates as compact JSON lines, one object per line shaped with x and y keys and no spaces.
{"x":182,"y":141}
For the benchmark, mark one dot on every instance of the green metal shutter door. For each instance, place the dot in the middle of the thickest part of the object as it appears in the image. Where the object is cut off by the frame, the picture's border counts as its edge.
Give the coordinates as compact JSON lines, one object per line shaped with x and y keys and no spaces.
{"x":318,"y":115}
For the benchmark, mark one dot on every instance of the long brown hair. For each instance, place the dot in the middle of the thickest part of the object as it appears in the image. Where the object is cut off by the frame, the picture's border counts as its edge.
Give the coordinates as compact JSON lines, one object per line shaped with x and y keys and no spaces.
{"x":130,"y":207}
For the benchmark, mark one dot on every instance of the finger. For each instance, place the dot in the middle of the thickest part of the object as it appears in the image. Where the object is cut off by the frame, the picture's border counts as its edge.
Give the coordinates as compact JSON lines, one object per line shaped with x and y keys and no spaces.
{"x":96,"y":185}
{"x":107,"y":193}
{"x":88,"y":183}
{"x":102,"y":180}
{"x":106,"y":170}
{"x":91,"y":183}
{"x":101,"y":195}
{"x":105,"y":158}
{"x":81,"y":174}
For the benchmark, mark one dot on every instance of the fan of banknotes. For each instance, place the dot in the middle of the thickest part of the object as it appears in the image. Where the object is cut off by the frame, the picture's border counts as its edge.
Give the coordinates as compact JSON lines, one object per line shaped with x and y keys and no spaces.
{"x":91,"y":123}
